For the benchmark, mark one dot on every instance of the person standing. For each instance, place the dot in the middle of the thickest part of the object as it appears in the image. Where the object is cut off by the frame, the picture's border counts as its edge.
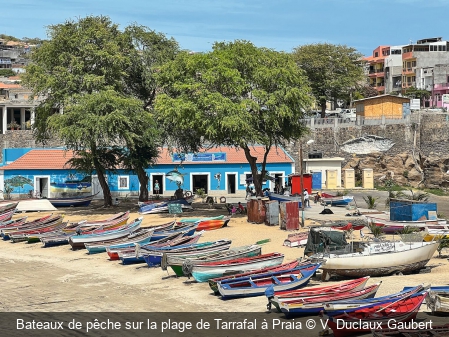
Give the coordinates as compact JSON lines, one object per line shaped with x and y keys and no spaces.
{"x":156,"y":187}
{"x":306,"y":199}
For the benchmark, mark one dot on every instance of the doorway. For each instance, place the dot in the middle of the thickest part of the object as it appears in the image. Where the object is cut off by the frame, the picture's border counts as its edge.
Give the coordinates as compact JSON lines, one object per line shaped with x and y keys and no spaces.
{"x":96,"y":187}
{"x":231,"y":178}
{"x":41,"y":185}
{"x":159,"y":178}
{"x":200,"y":181}
{"x":278,"y":181}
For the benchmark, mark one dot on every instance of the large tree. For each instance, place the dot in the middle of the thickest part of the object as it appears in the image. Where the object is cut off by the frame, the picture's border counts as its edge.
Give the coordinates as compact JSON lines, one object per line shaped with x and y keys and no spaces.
{"x":151,"y":50}
{"x":332,"y":70}
{"x":236,"y":95}
{"x":82,"y":71}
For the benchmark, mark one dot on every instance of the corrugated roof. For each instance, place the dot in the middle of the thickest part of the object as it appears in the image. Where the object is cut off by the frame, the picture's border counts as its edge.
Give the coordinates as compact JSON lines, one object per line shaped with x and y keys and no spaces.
{"x":55,"y":159}
{"x":380,"y":96}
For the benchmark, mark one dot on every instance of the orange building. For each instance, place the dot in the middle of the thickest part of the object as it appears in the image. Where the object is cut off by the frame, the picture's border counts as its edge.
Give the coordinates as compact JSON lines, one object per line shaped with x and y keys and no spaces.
{"x":390,"y":106}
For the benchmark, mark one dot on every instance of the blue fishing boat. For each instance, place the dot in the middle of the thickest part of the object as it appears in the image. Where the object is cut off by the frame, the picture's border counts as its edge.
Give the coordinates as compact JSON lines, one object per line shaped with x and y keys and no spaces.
{"x":189,"y":231}
{"x":275,"y":281}
{"x":72,"y":201}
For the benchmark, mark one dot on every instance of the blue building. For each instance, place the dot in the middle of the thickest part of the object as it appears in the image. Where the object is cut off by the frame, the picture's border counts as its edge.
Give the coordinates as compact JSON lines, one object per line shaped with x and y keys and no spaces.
{"x":219,"y":171}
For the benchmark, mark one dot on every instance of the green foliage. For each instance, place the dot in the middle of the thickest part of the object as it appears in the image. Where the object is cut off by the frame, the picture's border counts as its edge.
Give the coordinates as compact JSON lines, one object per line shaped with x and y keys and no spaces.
{"x":367,"y":91}
{"x":7,"y":73}
{"x":409,"y":230}
{"x":9,"y":38}
{"x":333,"y":70}
{"x":8,"y":190}
{"x":200,"y":192}
{"x":444,"y":243}
{"x":83,"y":69}
{"x":370,"y":201}
{"x":405,"y":174}
{"x":436,"y":191}
{"x":342,"y":193}
{"x":422,"y":95}
{"x":377,"y":231}
{"x":413,"y":195}
{"x":236,"y":95}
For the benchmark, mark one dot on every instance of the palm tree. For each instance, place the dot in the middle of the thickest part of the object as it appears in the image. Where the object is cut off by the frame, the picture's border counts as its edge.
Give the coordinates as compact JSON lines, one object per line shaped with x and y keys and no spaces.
{"x":370,"y":201}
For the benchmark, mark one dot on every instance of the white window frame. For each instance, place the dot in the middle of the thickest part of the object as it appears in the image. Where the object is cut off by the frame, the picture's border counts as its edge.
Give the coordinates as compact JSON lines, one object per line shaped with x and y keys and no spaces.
{"x":127,"y":183}
{"x":201,"y":174}
{"x":236,"y":178}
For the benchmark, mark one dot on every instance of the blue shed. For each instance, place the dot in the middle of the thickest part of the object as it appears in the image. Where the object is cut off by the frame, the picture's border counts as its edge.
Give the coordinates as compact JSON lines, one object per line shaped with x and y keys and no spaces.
{"x":410,"y":210}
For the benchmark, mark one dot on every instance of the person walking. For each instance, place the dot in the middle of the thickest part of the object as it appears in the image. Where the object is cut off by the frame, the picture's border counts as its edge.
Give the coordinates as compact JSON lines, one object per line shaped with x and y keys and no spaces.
{"x":156,"y":187}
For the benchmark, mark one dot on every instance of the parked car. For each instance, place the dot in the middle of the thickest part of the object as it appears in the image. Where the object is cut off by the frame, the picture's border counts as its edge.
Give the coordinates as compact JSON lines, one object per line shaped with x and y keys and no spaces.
{"x":348,"y":114}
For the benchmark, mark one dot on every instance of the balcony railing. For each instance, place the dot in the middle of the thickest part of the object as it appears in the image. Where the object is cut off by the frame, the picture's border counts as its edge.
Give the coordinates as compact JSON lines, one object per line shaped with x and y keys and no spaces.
{"x":376,"y":71}
{"x":335,"y":122}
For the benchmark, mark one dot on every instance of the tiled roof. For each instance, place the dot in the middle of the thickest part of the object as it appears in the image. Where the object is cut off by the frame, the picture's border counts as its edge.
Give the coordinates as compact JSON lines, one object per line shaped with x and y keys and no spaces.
{"x":9,"y":86}
{"x":55,"y":159}
{"x":236,"y":156}
{"x":41,"y":159}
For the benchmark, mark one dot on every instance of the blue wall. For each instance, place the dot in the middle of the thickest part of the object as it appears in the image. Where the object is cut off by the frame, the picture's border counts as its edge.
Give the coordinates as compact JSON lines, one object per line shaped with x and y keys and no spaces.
{"x":403,"y":210}
{"x":23,"y":180}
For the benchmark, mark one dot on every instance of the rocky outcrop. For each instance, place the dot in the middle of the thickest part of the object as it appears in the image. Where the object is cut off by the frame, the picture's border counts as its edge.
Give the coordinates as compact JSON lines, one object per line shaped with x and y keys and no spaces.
{"x":404,"y":169}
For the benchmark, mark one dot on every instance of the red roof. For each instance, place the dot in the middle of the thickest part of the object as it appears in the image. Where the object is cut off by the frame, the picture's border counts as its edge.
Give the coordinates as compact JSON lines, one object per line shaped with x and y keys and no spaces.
{"x":41,"y":159}
{"x":55,"y":159}
{"x":9,"y":86}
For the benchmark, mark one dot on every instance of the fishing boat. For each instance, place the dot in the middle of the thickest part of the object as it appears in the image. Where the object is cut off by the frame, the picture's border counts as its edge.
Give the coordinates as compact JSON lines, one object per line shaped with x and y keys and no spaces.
{"x":116,"y":220}
{"x":434,"y":331}
{"x":258,"y":284}
{"x":7,"y":215}
{"x":183,"y":265}
{"x":296,"y":240}
{"x":32,"y":235}
{"x":142,"y":235}
{"x":328,"y":199}
{"x":438,"y":302}
{"x":376,"y":258}
{"x":391,"y":226}
{"x":189,"y":200}
{"x":233,"y":274}
{"x":205,"y":271}
{"x":78,"y":241}
{"x":13,"y":224}
{"x":331,"y":290}
{"x":315,"y":305}
{"x":375,"y":316}
{"x":189,"y":230}
{"x":72,"y":201}
{"x":208,"y":225}
{"x":162,"y":207}
{"x":161,"y":253}
{"x":186,"y":220}
{"x":284,"y":198}
{"x":113,"y":252}
{"x":26,"y":226}
{"x":341,"y":306}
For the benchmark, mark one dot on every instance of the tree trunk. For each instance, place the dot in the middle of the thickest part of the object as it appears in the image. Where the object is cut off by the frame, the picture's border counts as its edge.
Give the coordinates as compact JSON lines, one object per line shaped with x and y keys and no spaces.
{"x":323,"y":109}
{"x":143,"y":180}
{"x":102,"y":180}
{"x":257,"y":178}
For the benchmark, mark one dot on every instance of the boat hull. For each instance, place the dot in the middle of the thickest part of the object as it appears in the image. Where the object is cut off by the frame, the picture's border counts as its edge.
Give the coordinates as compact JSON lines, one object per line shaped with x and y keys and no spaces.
{"x":380,"y":264}
{"x":203,"y":273}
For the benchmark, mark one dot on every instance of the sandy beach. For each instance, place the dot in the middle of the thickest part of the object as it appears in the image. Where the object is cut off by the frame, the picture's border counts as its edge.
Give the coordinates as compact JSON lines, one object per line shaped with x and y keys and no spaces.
{"x":58,"y":279}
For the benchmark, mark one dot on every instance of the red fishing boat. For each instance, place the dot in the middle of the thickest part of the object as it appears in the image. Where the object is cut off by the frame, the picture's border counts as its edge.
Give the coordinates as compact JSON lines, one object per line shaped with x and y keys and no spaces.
{"x":209,"y":225}
{"x":364,"y":319}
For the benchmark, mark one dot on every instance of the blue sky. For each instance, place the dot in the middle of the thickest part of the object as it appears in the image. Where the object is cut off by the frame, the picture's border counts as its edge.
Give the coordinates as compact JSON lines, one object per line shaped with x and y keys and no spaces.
{"x":277,"y":24}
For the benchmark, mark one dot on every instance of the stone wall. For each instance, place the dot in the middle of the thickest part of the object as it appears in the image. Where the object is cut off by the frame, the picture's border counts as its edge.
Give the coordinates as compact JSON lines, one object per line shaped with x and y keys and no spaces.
{"x":23,"y":139}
